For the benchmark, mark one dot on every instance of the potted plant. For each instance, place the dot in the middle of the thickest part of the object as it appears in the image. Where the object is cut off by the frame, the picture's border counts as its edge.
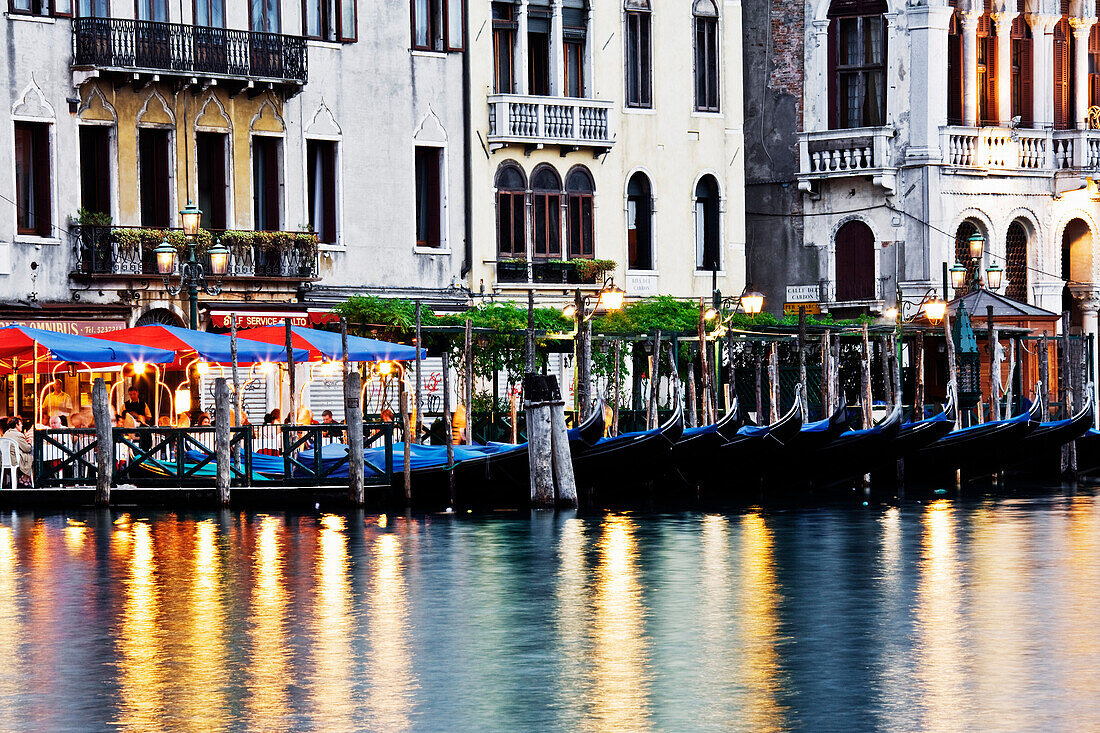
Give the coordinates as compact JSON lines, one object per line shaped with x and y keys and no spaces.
{"x":589,"y":271}
{"x":552,"y":271}
{"x":305,"y":249}
{"x":512,"y":270}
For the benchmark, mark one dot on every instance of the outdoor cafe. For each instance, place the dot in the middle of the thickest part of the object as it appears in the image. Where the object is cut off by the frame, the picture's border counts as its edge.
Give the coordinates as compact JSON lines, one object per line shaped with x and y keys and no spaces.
{"x":160,"y":383}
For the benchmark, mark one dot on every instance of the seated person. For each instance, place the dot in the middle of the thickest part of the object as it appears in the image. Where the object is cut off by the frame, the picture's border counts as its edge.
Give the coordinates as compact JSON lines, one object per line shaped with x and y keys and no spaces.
{"x":23,"y":454}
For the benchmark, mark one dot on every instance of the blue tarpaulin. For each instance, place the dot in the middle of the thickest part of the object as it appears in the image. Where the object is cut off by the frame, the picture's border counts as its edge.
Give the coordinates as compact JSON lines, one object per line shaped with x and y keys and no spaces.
{"x":327,"y":345}
{"x":18,"y":342}
{"x":207,"y":346}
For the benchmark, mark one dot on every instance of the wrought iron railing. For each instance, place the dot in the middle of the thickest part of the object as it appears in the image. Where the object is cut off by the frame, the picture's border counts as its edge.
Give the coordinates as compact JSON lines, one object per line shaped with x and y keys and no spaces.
{"x":143,"y":44}
{"x":104,"y":250}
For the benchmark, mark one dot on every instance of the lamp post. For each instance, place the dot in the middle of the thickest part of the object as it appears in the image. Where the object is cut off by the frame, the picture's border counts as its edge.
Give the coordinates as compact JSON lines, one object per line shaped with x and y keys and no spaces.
{"x":960,"y":273}
{"x":193,"y":275}
{"x":581,"y":310}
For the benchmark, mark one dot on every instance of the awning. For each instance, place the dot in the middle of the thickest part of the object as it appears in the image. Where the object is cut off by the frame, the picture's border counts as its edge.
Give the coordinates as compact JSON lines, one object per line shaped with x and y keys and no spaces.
{"x":327,"y":345}
{"x":212,"y":347}
{"x":18,"y":342}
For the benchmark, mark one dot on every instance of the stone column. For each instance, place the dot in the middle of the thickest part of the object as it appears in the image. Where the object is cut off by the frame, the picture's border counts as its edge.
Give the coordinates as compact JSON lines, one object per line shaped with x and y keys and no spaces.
{"x":521,"y":48}
{"x":1081,"y":28}
{"x":1003,"y":71}
{"x":557,"y":51}
{"x":816,"y":112}
{"x":969,"y":20}
{"x":928,"y":80}
{"x":1042,"y":67}
{"x":1089,"y":300}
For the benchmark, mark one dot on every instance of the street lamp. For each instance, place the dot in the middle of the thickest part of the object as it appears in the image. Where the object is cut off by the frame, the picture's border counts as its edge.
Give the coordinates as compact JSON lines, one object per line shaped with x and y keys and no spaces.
{"x":752,"y":302}
{"x":977,"y":245}
{"x":192,"y":272}
{"x":958,"y":276}
{"x":931,"y":306}
{"x":993,"y":276}
{"x":610,"y":299}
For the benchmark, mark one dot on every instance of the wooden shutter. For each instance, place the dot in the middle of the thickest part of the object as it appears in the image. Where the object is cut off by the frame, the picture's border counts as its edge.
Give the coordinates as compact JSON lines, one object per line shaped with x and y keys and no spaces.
{"x":954,"y":76}
{"x":855,"y":262}
{"x":1063,"y":66}
{"x":834,"y":80}
{"x":990,"y":79}
{"x":271,"y":183}
{"x":42,"y":179}
{"x":1027,"y":94}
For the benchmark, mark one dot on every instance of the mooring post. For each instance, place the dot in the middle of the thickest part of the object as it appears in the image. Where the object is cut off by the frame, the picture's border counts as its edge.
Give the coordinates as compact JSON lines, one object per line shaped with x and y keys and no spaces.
{"x":655,"y":383}
{"x":353,"y":414}
{"x":887,"y":372}
{"x":865,"y":379}
{"x":529,"y":341}
{"x":447,"y":428}
{"x":895,"y":369}
{"x":1044,"y":376}
{"x":758,"y":360}
{"x":104,"y":447}
{"x":1010,"y":395}
{"x":222,"y":439}
{"x":826,"y":378}
{"x":704,"y":369}
{"x":731,"y":373}
{"x":952,"y":367}
{"x":468,"y":383}
{"x":691,"y":395}
{"x":773,"y":382}
{"x":583,"y":369}
{"x":238,"y":400}
{"x":994,"y":366}
{"x":562,"y":458}
{"x":618,"y":386}
{"x":536,"y":404}
{"x":1064,"y":389}
{"x":403,"y":400}
{"x":802,"y":364}
{"x":293,"y":412}
{"x":418,"y":422}
{"x":918,"y":376}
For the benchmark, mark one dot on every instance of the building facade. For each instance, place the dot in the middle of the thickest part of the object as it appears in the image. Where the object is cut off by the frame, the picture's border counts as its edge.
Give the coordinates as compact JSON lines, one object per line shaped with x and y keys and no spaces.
{"x":324,"y":150}
{"x":606,"y":131}
{"x":894,"y":132}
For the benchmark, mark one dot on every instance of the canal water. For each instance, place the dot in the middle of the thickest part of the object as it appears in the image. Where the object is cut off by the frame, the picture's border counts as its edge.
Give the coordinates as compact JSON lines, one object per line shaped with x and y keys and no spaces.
{"x":950,"y":615}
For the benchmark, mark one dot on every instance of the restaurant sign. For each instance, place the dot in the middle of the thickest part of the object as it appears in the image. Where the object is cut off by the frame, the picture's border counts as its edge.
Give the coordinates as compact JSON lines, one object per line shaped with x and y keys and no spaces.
{"x":259,"y":320}
{"x":87,"y":327}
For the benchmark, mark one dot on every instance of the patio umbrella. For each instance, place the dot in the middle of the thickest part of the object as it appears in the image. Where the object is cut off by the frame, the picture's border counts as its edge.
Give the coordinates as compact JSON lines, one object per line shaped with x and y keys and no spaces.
{"x":327,"y":345}
{"x":18,"y":343}
{"x":212,"y":347}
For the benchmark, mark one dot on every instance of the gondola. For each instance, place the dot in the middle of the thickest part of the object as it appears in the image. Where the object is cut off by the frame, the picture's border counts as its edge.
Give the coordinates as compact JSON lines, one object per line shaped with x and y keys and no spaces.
{"x":619,"y":467}
{"x":697,"y":445}
{"x":814,"y":435}
{"x":917,"y":434}
{"x":849,"y":456}
{"x":1041,"y":449}
{"x":980,"y":448}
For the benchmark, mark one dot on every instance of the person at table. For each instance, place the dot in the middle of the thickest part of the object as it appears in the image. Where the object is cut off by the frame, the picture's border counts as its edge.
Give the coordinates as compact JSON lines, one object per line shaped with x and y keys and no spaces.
{"x":22,"y":453}
{"x":57,"y":403}
{"x":136,"y":409}
{"x":334,"y":434}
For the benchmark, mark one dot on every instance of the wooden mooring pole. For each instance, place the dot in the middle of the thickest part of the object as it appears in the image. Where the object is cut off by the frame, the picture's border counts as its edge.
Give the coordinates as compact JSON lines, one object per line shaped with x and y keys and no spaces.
{"x":468,"y":383}
{"x":773,"y":382}
{"x":865,"y":378}
{"x":447,"y":425}
{"x":238,"y":398}
{"x":293,"y":412}
{"x":952,"y":367}
{"x":403,"y":402}
{"x":618,"y":388}
{"x":758,"y":358}
{"x":104,"y":447}
{"x":918,"y":376}
{"x":222,"y":439}
{"x":802,"y":364}
{"x":1044,"y":375}
{"x":536,"y":407}
{"x":992,"y":341}
{"x":418,"y":422}
{"x":1065,"y":388}
{"x":353,"y":414}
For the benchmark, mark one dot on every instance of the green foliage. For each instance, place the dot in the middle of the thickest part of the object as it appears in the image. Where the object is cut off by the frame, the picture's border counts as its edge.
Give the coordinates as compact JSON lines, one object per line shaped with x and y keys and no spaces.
{"x":824,"y":319}
{"x":85,"y":217}
{"x":399,"y":313}
{"x":591,"y":270}
{"x":645,"y":316}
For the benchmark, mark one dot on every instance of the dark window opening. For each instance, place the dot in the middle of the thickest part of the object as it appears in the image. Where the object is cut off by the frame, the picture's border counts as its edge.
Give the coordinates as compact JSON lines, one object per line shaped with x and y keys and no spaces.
{"x":707,"y":234}
{"x":263,"y":16}
{"x":1022,"y":88}
{"x":32,"y":178}
{"x":538,"y":55}
{"x":546,"y":201}
{"x":1016,"y":256}
{"x":639,"y":223}
{"x":154,"y":178}
{"x":429,"y":197}
{"x":706,"y":56}
{"x":579,"y":193}
{"x":639,"y":89}
{"x":95,"y":168}
{"x":962,"y":250}
{"x":437,"y":25}
{"x":210,"y":152}
{"x":210,"y":13}
{"x":94,"y":9}
{"x":855,"y":262}
{"x":1063,"y":76}
{"x":511,"y":213}
{"x":504,"y":48}
{"x":857,"y":64}
{"x":41,"y":7}
{"x":266,"y":183}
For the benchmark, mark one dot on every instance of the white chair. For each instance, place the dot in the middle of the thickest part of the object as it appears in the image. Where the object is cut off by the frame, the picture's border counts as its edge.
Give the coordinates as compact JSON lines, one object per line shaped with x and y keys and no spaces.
{"x":9,"y":462}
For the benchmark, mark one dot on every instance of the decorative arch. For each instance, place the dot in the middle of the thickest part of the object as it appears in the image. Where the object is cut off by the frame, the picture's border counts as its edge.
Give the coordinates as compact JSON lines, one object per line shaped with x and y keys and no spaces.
{"x":545,"y":178}
{"x":32,"y":104}
{"x":707,"y":208}
{"x":705,"y":8}
{"x":431,"y":128}
{"x":510,"y":177}
{"x":96,"y":109}
{"x":155,"y":111}
{"x":323,"y":123}
{"x":160,"y":315}
{"x":267,"y":119}
{"x":1018,"y":237}
{"x":639,"y":220}
{"x":1076,"y":239}
{"x":212,"y":116}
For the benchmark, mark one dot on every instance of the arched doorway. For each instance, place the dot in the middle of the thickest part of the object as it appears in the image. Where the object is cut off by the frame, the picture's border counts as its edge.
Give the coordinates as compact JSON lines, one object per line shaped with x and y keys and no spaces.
{"x":1076,"y":263}
{"x":159,"y":317}
{"x":1016,"y":261}
{"x":855,"y":262}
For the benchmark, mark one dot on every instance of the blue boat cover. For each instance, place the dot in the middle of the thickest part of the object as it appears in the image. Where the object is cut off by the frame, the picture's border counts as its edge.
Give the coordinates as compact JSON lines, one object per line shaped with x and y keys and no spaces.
{"x":19,"y":341}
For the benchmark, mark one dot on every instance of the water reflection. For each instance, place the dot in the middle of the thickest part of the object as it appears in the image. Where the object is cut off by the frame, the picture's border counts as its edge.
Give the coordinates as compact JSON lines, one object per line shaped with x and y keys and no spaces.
{"x":268,"y":666}
{"x":759,"y":613}
{"x":390,"y":671}
{"x":205,"y":678}
{"x":11,"y":626}
{"x":620,"y":677}
{"x":330,"y":679}
{"x":140,"y":672}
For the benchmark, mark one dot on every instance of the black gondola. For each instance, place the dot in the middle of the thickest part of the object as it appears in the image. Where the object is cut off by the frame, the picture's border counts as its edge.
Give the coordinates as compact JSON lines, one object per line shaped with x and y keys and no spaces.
{"x":1041,"y":449}
{"x":814,"y":435}
{"x":697,"y":445}
{"x":850,"y":455}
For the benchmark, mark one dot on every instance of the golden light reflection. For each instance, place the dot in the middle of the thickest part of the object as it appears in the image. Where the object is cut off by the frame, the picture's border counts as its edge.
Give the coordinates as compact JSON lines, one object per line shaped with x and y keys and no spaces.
{"x":941,"y":653}
{"x":140,"y":673}
{"x":331,"y":681}
{"x":759,"y":611}
{"x":620,"y":677}
{"x":1080,"y":616}
{"x":389,"y":700}
{"x":11,"y":636}
{"x":74,"y":536}
{"x":268,"y":671}
{"x":205,"y":676}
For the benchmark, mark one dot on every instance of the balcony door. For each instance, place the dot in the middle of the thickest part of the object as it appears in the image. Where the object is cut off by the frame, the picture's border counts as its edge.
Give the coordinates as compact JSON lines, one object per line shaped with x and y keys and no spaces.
{"x":95,"y":168}
{"x":210,"y":158}
{"x":154,"y":177}
{"x":267,"y":182}
{"x":538,"y":53}
{"x":209,"y":36}
{"x":152,"y":42}
{"x":855,"y":262}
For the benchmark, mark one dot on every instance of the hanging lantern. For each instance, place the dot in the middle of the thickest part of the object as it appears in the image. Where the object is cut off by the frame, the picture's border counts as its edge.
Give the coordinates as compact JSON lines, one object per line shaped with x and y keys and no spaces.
{"x":752,"y":302}
{"x":191,"y":216}
{"x":977,"y":245}
{"x":219,"y":259}
{"x":958,"y":276}
{"x":934,"y":310}
{"x":166,"y":258}
{"x":993,"y":276}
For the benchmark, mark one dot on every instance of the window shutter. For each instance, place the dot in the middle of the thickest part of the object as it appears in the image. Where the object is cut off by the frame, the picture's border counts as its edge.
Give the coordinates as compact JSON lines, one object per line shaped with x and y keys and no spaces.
{"x":1027,"y":97}
{"x":991,"y":79}
{"x":42,"y":179}
{"x":834,"y":80}
{"x":954,"y":78}
{"x":1062,"y":66}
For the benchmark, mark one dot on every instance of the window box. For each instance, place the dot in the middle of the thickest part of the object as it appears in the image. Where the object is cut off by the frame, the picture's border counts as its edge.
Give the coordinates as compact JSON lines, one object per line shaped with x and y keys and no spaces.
{"x":589,"y":272}
{"x":512,"y":271}
{"x":552,"y":271}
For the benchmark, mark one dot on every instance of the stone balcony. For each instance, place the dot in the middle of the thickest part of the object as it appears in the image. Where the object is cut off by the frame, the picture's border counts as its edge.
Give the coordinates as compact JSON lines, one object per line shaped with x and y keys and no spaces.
{"x":861,"y":151}
{"x":535,"y":122}
{"x":1004,"y":151}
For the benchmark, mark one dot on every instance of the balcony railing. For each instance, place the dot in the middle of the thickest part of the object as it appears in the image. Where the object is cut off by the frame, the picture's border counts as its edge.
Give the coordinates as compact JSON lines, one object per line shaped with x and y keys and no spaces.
{"x":532,"y":120}
{"x":116,"y":43}
{"x":861,"y":151}
{"x":1003,"y":150}
{"x":103,"y":251}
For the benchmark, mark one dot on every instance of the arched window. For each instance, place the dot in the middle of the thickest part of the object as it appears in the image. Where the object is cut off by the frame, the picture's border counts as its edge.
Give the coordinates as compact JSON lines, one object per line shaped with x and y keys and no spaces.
{"x":1063,"y":75}
{"x":639,"y":223}
{"x":578,"y":197}
{"x":639,"y":87}
{"x":511,"y":212}
{"x":857,"y":64}
{"x":1016,"y":266}
{"x":1022,"y":94}
{"x":706,"y":55}
{"x":546,"y":194}
{"x":1076,"y":259}
{"x":706,"y":224}
{"x":962,"y":250}
{"x":855,"y":262}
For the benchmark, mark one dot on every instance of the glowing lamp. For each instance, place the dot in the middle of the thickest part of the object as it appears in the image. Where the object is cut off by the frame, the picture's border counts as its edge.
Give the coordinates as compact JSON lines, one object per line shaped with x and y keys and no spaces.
{"x":752,"y":302}
{"x":385,"y":367}
{"x":166,"y":258}
{"x":183,"y":400}
{"x":139,"y":367}
{"x":611,"y":298}
{"x":958,"y":276}
{"x":203,"y":368}
{"x":710,"y":314}
{"x":891,"y":314}
{"x":219,"y":259}
{"x":934,"y":310}
{"x":569,"y":310}
{"x":977,"y":245}
{"x":993,"y":276}
{"x":266,"y":367}
{"x":191,"y":215}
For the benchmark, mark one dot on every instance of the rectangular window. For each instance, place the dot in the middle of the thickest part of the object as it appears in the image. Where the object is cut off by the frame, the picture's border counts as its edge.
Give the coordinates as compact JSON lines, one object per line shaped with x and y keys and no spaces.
{"x":156,"y":10}
{"x":638,"y":68}
{"x":429,"y":197}
{"x":706,"y":64}
{"x":210,"y":159}
{"x":95,"y":168}
{"x":331,"y":20}
{"x":511,"y":224}
{"x":574,"y":69}
{"x":321,"y":163}
{"x":860,"y":71}
{"x":580,"y":225}
{"x":504,"y":48}
{"x":41,"y":7}
{"x":95,"y":9}
{"x":263,"y":16}
{"x":538,"y":54}
{"x":438,"y":25}
{"x":210,"y":13}
{"x":32,"y":178}
{"x":347,"y":20}
{"x":267,"y":182}
{"x":547,"y":225}
{"x":154,"y":177}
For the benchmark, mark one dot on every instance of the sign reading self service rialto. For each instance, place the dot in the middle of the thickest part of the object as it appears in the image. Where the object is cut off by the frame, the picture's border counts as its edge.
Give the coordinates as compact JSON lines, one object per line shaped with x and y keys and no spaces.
{"x":77,"y":327}
{"x":803,"y":293}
